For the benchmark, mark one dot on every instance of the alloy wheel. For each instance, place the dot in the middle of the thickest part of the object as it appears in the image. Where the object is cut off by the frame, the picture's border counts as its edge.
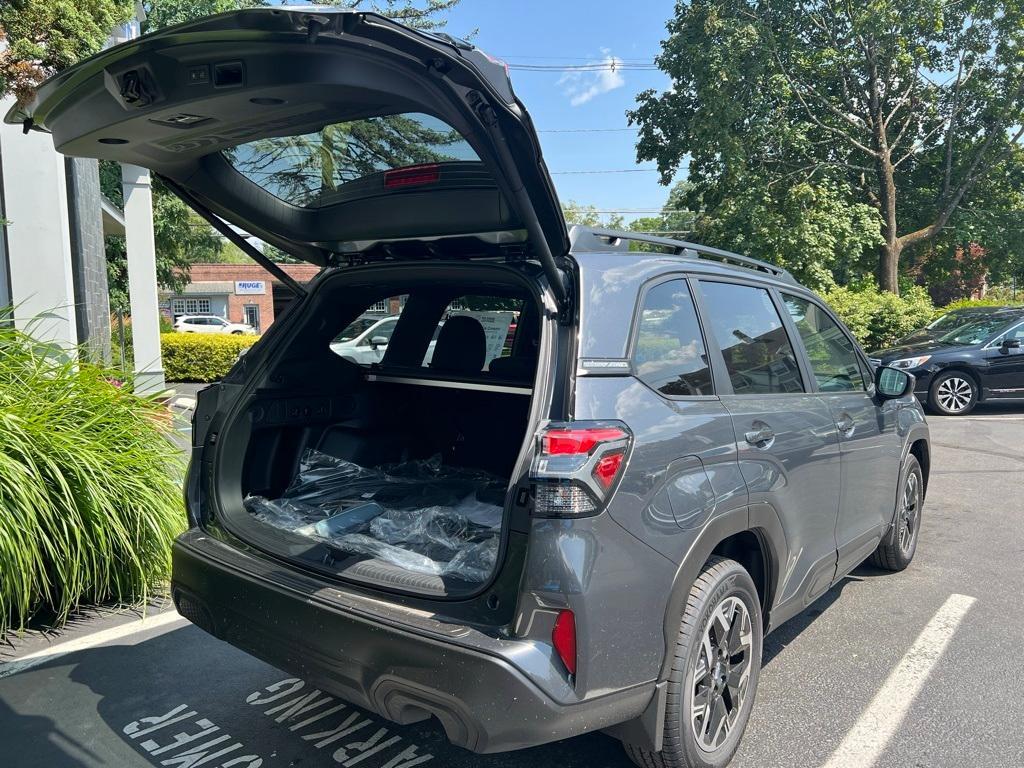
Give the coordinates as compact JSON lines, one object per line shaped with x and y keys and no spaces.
{"x":954,"y":394}
{"x":910,"y":512}
{"x":721,"y":674}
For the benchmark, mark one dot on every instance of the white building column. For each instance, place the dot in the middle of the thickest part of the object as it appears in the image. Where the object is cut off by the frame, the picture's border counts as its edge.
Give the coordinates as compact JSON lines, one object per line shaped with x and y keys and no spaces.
{"x":142,"y":291}
{"x":35,"y":204}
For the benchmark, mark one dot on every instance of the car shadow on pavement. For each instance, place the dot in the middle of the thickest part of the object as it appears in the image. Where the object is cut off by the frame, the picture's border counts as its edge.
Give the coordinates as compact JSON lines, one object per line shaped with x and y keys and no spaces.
{"x":778,"y":640}
{"x":122,"y":704}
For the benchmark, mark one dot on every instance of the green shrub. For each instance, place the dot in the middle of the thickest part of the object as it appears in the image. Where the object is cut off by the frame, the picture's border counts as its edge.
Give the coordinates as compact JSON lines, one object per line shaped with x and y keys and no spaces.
{"x":988,"y":301}
{"x":878,"y":318}
{"x":90,"y":493}
{"x":201,"y":357}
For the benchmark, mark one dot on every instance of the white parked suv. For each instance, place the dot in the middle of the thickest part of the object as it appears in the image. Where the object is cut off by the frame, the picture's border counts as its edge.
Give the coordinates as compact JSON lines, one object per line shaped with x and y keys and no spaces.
{"x":210,"y":324}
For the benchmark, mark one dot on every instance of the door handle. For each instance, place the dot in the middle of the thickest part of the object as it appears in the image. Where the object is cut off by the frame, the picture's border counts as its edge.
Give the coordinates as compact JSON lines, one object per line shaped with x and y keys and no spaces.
{"x":762,"y":437}
{"x":845,"y":424}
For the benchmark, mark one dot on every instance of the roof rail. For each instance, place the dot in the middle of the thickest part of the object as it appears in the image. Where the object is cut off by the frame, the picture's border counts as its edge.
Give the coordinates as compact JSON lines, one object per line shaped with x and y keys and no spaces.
{"x":586,"y":239}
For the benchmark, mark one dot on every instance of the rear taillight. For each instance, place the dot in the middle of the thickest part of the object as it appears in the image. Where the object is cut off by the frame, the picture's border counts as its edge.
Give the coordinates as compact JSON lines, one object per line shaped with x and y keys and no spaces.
{"x":563,"y":637}
{"x":412,"y":175}
{"x":577,"y":465}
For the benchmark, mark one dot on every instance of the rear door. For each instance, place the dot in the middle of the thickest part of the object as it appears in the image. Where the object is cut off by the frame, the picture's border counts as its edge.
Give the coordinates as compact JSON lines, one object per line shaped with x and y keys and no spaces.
{"x":869,"y":445}
{"x":321,"y":132}
{"x":788,"y":448}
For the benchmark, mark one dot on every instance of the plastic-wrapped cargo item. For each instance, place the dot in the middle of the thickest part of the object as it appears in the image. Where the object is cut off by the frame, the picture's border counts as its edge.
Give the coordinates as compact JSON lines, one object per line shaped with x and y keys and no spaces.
{"x":418,"y":515}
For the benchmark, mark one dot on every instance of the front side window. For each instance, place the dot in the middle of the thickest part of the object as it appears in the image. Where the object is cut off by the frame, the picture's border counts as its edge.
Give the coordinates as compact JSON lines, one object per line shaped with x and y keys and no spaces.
{"x":832,"y":355}
{"x":758,"y":354}
{"x":669,"y":355}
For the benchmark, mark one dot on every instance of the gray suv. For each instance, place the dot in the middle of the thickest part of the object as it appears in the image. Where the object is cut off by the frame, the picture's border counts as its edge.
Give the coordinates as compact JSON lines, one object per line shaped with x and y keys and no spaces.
{"x":625,"y":461}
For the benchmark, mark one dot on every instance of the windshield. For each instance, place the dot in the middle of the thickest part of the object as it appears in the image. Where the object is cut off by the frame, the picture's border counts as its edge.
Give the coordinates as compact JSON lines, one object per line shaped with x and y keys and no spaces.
{"x":308,"y":170}
{"x":948,"y":322}
{"x":973,"y":332}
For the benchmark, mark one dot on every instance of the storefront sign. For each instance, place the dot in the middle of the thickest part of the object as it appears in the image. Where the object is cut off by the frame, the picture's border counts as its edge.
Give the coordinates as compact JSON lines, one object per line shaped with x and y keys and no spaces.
{"x":250,"y":287}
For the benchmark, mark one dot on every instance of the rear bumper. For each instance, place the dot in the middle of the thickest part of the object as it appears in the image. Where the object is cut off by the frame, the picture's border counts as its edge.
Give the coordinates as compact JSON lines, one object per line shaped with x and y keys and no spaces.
{"x":483,"y":699}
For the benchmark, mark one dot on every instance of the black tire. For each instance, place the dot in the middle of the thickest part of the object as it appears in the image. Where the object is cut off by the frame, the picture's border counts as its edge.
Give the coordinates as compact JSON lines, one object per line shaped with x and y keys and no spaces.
{"x":897,"y":547}
{"x":720,"y":581}
{"x":236,"y":333}
{"x":953,"y":393}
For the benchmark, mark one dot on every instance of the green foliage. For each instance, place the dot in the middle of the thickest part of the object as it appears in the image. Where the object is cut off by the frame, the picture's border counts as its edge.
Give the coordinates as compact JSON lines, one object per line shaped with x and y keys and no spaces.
{"x":811,"y":229}
{"x":589,"y":216}
{"x":180,"y":236}
{"x":46,"y":36}
{"x":988,"y":301}
{"x":913,"y":108}
{"x":421,"y":14}
{"x":199,"y":356}
{"x":878,"y":318}
{"x":90,"y":493}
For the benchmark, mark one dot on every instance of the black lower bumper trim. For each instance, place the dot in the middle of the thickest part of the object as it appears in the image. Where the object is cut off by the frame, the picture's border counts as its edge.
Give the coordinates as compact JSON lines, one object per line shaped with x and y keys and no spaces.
{"x":484,"y":702}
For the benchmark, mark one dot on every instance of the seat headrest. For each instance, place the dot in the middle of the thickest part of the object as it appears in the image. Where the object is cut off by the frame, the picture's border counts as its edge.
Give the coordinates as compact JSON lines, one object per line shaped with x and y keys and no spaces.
{"x":514,"y":368}
{"x":461,"y":346}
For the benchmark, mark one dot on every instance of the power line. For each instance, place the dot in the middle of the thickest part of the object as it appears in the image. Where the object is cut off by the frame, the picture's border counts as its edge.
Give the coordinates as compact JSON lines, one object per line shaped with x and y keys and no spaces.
{"x":588,"y":130}
{"x":603,"y":66}
{"x":573,"y":58}
{"x":610,"y":170}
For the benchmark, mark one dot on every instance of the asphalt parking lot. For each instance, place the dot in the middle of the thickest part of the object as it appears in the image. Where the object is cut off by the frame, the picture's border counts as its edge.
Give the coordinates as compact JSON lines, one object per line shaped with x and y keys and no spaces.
{"x":923,"y":668}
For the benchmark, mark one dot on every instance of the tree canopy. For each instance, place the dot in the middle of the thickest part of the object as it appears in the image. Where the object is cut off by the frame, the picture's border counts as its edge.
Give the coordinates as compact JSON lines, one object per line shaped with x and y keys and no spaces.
{"x":46,"y":36}
{"x":893,"y":125}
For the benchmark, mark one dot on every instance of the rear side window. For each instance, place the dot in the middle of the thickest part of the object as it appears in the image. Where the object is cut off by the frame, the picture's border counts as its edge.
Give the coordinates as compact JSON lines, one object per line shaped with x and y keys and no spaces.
{"x":758,"y":354}
{"x":834,"y":361}
{"x":669,"y":355}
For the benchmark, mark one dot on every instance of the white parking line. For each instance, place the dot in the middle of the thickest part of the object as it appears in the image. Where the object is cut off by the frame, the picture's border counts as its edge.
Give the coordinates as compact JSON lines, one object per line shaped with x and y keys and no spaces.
{"x":879,"y":721}
{"x":29,"y":660}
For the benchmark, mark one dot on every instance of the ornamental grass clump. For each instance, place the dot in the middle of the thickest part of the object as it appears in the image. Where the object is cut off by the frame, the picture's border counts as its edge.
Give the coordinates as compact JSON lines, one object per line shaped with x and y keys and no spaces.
{"x":90,"y":485}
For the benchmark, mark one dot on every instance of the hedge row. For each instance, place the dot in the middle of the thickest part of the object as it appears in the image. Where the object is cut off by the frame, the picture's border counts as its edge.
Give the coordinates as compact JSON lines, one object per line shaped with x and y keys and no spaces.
{"x":878,"y":318}
{"x":201,"y":357}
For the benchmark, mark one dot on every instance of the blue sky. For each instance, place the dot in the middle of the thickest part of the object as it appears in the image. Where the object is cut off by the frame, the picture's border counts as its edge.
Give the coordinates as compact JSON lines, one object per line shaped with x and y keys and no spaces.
{"x":572,"y":33}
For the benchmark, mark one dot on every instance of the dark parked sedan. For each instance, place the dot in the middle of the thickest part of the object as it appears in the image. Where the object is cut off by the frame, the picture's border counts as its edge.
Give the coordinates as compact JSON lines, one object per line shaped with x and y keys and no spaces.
{"x":979,"y":359}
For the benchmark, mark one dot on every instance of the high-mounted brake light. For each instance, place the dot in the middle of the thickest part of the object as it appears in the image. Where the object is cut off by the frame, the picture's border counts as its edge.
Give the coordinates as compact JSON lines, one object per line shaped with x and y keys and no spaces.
{"x":563,"y":637}
{"x":412,"y":175}
{"x":576,"y":466}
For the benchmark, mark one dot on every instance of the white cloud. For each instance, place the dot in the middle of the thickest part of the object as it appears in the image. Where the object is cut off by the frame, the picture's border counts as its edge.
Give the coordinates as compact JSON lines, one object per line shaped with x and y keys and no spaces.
{"x":583,"y":85}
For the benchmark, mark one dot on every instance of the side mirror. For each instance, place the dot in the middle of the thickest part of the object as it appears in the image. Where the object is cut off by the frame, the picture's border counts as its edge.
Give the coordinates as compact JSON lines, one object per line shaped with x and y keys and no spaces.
{"x":378,"y":341}
{"x":892,"y":383}
{"x":1009,"y":344}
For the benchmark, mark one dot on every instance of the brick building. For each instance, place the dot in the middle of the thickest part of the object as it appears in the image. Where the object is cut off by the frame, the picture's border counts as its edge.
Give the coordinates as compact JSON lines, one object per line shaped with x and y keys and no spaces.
{"x":240,"y":293}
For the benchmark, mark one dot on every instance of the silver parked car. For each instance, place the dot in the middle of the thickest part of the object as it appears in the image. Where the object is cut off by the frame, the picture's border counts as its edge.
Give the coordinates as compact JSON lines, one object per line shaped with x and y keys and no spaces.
{"x":210,"y":324}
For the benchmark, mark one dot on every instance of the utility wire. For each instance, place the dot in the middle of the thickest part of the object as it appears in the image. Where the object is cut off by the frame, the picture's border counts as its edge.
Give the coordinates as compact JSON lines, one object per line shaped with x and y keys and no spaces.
{"x":610,"y":170}
{"x":588,"y":130}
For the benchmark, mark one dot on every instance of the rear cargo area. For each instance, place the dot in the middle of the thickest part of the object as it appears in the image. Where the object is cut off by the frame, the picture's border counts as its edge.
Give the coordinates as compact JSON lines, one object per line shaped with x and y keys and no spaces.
{"x":383,"y":445}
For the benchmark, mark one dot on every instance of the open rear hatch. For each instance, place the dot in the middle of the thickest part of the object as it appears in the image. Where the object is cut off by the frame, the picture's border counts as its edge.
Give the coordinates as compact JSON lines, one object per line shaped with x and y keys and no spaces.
{"x":322,"y":133}
{"x":342,"y":138}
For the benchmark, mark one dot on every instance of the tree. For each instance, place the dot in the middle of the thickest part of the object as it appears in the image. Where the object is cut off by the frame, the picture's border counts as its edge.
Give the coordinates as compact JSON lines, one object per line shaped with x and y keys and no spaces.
{"x":590,"y":216}
{"x":421,"y":14}
{"x":181,"y":238}
{"x":46,"y":36}
{"x":906,"y":107}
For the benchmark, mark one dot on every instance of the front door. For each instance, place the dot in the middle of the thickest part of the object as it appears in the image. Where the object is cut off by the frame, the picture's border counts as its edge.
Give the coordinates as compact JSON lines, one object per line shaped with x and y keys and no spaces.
{"x":788,"y":449}
{"x":868,"y":443}
{"x":252,"y":315}
{"x":1006,"y":365}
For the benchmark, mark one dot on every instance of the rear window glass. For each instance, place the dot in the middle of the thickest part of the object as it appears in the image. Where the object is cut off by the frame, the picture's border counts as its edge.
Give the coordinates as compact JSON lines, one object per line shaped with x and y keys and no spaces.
{"x":487,"y":332}
{"x":307,"y":170}
{"x":669,"y":354}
